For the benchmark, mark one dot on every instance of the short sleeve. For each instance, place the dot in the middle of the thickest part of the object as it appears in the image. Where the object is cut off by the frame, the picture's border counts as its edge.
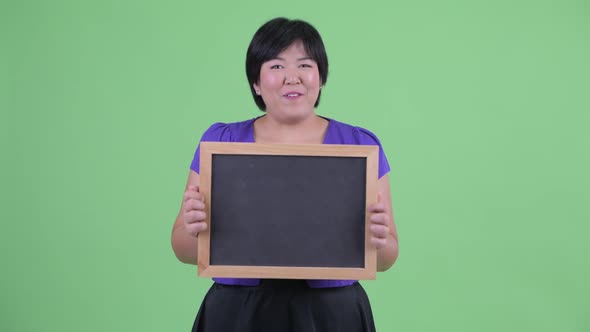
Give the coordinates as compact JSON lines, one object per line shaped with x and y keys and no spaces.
{"x":218,"y":132}
{"x":365,"y":137}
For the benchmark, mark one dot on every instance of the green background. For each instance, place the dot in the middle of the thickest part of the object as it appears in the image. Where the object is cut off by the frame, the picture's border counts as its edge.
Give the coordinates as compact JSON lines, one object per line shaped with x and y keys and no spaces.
{"x":482,"y":108}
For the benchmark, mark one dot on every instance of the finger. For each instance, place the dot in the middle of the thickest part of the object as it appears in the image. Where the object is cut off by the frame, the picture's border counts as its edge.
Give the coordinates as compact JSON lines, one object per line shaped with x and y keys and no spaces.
{"x":379,"y":231}
{"x":193,"y":204}
{"x":379,"y":218}
{"x":379,"y":197}
{"x":377,"y":208}
{"x":196,"y":228}
{"x":378,"y":243}
{"x":190,"y":194}
{"x":200,"y":197}
{"x":194,"y":216}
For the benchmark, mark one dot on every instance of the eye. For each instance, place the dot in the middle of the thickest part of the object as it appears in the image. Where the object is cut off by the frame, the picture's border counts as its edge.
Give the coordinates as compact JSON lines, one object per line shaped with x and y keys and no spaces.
{"x":305,"y":65}
{"x":276,"y":67}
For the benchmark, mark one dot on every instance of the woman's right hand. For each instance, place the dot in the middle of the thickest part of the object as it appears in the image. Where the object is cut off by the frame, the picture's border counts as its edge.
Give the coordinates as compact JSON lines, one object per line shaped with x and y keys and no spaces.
{"x":193,"y":211}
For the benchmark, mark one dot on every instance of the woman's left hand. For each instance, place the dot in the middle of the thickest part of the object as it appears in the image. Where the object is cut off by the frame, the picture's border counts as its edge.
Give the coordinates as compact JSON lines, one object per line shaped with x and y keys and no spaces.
{"x":379,"y":218}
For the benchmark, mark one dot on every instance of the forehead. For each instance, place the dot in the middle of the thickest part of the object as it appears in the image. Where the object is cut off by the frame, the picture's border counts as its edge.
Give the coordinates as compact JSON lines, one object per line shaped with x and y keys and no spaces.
{"x":297,"y":48}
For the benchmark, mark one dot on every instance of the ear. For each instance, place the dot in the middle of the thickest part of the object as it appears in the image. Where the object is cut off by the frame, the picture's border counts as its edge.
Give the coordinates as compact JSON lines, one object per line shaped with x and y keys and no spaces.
{"x":256,"y":88}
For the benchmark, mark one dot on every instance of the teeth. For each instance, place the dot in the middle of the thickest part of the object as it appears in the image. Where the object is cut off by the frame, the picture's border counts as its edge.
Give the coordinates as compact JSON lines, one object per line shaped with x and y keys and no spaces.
{"x":293,"y":95}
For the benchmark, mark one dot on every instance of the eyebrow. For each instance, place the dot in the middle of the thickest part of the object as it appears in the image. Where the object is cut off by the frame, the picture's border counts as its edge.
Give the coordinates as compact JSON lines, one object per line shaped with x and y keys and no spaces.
{"x":300,"y":59}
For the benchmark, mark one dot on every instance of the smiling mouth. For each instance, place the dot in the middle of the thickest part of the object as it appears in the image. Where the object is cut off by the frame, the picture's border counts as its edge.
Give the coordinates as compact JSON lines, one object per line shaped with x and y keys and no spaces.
{"x":292,"y":95}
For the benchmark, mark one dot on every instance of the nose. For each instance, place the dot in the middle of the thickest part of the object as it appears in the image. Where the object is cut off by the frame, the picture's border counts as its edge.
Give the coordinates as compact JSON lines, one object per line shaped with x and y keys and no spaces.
{"x":292,"y":77}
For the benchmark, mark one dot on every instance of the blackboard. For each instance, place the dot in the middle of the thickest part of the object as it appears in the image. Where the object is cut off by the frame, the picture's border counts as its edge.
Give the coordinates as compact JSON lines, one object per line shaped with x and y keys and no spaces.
{"x":287,"y":211}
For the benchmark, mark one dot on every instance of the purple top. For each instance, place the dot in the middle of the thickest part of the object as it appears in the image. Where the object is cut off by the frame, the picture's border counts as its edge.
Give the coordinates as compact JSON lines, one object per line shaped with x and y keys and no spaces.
{"x":337,"y":133}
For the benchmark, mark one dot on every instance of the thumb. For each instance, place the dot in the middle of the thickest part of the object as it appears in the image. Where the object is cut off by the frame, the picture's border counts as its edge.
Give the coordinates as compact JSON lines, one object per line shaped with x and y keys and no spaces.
{"x":193,"y":188}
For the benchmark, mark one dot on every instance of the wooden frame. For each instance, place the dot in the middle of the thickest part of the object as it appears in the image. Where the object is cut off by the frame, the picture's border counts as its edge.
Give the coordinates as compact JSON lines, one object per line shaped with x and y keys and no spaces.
{"x":209,"y":149}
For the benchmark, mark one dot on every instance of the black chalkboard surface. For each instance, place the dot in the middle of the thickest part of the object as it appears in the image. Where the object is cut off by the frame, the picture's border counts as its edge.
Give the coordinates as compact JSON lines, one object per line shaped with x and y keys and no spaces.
{"x":287,"y":211}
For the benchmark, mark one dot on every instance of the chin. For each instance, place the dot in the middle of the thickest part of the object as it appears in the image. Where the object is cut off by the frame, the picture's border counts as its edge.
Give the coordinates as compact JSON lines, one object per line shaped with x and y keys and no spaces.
{"x":300,"y":113}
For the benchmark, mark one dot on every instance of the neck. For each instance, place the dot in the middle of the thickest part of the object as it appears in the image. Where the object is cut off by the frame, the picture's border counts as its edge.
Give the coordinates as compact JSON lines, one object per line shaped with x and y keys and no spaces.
{"x":309,"y":130}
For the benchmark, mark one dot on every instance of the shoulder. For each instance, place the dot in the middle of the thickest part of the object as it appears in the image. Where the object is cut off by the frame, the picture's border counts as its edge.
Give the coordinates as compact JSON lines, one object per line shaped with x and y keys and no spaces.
{"x":343,"y":133}
{"x":354,"y":134}
{"x":227,"y":132}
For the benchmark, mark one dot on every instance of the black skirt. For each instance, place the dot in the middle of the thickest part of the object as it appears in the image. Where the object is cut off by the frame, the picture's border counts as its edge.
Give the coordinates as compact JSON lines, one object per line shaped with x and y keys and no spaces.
{"x":284,"y":306}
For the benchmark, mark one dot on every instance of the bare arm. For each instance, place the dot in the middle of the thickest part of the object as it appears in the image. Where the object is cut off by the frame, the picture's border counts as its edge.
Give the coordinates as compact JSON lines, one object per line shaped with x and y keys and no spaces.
{"x":189,"y":222}
{"x":383,"y":227}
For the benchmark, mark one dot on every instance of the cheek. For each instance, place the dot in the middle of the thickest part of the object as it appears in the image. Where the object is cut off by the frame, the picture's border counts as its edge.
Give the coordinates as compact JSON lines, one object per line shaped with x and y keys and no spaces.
{"x":269,"y":80}
{"x":313,"y":80}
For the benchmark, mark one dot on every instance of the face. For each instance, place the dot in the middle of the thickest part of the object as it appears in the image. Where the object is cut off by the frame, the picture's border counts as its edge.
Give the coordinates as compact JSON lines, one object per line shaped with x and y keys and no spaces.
{"x":289,"y":84}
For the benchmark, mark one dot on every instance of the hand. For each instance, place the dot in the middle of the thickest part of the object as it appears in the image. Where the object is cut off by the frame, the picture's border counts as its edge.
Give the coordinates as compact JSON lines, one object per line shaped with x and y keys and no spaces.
{"x":193,"y":211}
{"x":379,"y":218}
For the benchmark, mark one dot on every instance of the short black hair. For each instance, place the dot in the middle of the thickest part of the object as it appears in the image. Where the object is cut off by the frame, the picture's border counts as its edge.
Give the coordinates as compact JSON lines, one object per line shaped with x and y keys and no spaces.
{"x":275,"y":36}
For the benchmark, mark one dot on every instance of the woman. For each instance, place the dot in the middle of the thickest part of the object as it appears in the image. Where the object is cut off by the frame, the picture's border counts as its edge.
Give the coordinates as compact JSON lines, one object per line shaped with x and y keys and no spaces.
{"x":286,"y":66}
